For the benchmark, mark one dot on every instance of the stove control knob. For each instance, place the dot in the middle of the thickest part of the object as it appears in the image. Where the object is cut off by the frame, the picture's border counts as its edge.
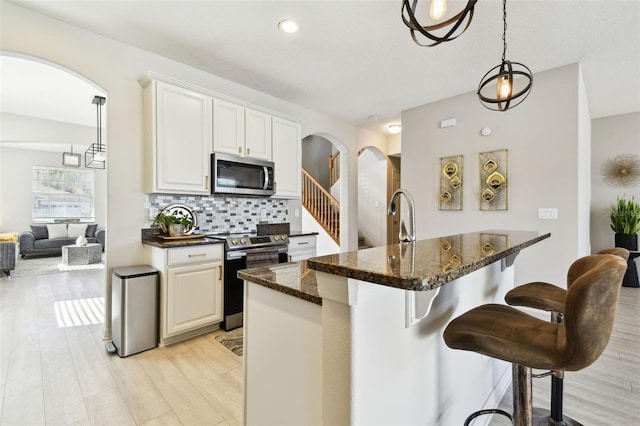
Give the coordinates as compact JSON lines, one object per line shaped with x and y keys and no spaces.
{"x":234,"y":241}
{"x":284,"y":237}
{"x":277,"y":237}
{"x":243,"y":241}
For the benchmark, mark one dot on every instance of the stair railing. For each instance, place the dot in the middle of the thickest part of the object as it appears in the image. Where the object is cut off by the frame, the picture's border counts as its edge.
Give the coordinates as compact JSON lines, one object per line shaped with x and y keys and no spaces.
{"x":321,"y":205}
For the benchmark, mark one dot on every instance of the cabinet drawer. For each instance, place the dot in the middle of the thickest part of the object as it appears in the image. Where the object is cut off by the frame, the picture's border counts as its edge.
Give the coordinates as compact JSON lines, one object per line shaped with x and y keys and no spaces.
{"x":196,"y":254}
{"x":302,"y":243}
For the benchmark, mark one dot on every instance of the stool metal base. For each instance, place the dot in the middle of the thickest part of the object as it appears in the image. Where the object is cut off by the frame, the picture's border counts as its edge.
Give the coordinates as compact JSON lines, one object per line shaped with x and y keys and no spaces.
{"x":542,"y":417}
{"x":484,"y":412}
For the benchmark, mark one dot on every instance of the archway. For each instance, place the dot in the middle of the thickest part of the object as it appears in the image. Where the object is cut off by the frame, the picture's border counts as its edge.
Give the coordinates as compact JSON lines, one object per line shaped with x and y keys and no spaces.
{"x":372,"y":197}
{"x":47,"y":110}
{"x":327,"y":144}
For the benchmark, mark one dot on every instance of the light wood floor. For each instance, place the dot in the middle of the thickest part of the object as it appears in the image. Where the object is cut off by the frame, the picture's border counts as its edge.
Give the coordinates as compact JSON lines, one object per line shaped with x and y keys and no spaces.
{"x":63,"y":376}
{"x":54,"y":368}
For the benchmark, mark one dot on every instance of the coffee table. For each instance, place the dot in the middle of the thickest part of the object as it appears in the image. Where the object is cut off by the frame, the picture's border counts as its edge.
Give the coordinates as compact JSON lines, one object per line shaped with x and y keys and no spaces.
{"x":81,"y":255}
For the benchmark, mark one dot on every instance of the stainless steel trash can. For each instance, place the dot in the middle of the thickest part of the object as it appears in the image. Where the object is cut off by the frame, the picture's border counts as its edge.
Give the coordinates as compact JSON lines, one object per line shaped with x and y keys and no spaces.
{"x":134,"y":313}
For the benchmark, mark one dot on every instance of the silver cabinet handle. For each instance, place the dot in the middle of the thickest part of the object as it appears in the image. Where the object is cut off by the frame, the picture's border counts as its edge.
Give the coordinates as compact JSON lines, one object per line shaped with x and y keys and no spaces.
{"x":198,"y":255}
{"x":303,"y":243}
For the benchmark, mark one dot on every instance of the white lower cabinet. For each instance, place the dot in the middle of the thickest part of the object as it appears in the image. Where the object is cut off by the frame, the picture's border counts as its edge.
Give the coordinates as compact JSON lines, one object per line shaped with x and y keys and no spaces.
{"x":190,"y":290}
{"x":301,"y":247}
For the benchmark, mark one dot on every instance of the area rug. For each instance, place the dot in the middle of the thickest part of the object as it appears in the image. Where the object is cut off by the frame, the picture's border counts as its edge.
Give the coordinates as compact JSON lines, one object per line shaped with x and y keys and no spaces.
{"x":48,"y":265}
{"x":232,"y":340}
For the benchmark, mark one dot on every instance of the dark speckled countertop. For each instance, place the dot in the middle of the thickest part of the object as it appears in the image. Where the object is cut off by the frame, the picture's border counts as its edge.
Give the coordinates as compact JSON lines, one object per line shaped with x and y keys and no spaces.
{"x":293,"y":278}
{"x":427,"y":264}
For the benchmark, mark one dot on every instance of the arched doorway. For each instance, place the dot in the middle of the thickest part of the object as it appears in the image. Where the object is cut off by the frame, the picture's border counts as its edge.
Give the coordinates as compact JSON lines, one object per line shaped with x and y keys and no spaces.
{"x":372,"y":198}
{"x":47,"y":110}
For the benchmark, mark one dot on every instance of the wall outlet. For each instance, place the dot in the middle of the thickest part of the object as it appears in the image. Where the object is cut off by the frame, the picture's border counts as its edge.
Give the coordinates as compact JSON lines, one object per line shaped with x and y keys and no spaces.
{"x":263,"y":213}
{"x":296,"y":212}
{"x":153,"y":212}
{"x":547,"y":213}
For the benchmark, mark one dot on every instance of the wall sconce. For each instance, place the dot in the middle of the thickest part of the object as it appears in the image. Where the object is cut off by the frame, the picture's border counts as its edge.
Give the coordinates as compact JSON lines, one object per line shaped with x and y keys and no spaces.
{"x":70,"y":159}
{"x":95,"y":155}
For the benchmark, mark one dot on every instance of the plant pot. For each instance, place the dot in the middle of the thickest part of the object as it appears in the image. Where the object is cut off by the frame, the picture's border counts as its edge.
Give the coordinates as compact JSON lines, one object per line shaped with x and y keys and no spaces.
{"x":176,"y":230}
{"x":628,"y":241}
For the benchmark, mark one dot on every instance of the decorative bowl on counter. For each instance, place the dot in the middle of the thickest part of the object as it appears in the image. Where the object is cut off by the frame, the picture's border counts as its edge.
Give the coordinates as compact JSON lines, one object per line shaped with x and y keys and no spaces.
{"x":177,"y":220}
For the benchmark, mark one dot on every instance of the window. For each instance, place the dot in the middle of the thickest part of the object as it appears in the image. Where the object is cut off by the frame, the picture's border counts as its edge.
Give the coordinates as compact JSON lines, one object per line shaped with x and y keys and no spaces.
{"x":62,"y":194}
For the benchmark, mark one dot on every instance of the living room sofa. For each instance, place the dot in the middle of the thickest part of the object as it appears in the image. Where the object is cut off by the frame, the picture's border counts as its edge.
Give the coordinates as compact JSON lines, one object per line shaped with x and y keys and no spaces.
{"x":48,"y":239}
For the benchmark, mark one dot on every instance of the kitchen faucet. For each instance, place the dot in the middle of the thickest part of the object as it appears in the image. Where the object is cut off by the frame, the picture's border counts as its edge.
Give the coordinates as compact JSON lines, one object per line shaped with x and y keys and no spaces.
{"x":404,"y":236}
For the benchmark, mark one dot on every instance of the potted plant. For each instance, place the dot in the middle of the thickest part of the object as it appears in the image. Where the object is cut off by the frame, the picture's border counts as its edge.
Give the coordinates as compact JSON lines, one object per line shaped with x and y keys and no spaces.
{"x":174,"y":223}
{"x":625,"y":222}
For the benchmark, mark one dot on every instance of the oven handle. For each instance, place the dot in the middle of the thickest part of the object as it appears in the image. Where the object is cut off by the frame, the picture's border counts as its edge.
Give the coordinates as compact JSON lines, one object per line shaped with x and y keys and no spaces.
{"x":239,"y":254}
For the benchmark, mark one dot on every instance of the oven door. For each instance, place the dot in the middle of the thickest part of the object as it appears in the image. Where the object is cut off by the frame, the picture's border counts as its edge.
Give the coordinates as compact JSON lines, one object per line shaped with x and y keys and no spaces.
{"x":234,"y":286}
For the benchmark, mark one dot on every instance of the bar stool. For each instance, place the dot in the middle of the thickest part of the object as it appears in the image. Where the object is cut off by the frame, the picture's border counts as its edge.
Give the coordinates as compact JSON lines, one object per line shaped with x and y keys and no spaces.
{"x":548,"y":297}
{"x":505,"y":333}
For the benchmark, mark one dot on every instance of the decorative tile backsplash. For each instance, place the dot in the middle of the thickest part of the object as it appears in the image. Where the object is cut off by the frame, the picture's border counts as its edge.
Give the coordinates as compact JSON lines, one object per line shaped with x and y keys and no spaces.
{"x":221,"y":214}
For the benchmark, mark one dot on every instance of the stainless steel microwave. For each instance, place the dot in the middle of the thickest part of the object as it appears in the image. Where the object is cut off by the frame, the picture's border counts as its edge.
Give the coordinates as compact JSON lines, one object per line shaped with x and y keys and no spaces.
{"x":243,"y":176}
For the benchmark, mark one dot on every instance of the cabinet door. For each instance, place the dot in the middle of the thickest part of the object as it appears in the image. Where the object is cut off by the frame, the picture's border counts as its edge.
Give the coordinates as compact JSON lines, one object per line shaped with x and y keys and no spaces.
{"x":287,"y":157}
{"x":228,"y":127}
{"x":257,"y":134}
{"x":194,"y":297}
{"x":183,"y":140}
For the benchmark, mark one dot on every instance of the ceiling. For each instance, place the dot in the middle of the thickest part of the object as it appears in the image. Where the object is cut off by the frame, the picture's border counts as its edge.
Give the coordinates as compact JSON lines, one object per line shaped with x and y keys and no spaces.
{"x":354,"y":60}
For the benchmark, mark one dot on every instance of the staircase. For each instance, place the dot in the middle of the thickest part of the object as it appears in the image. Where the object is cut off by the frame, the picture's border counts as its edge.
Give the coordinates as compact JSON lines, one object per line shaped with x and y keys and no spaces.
{"x":321,"y":205}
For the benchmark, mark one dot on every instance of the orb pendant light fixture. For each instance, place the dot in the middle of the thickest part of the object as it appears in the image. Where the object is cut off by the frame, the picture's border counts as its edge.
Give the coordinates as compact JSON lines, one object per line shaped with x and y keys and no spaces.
{"x":512,"y":80}
{"x":438,"y":32}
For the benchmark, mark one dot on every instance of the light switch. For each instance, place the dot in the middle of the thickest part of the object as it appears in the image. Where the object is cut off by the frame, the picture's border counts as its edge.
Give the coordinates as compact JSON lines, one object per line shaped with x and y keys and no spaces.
{"x":548,"y":213}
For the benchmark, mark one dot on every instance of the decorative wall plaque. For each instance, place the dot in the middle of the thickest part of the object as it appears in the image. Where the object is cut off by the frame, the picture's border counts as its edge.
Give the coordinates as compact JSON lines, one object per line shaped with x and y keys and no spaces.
{"x":493,"y":180}
{"x":451,"y":183}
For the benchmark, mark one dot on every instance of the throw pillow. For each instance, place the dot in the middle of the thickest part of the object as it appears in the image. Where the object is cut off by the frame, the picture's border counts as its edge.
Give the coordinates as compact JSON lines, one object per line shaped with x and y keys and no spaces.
{"x":58,"y":230}
{"x":74,"y":230}
{"x":91,"y":230}
{"x":40,"y":232}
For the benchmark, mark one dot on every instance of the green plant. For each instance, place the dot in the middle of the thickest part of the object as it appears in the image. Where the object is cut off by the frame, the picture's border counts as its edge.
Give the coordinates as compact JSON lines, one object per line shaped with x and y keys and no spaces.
{"x":625,"y":217}
{"x":176,"y":218}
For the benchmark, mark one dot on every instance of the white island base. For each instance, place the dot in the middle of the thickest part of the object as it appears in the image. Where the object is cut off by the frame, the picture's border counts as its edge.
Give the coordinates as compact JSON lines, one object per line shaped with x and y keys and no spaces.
{"x":354,"y":361}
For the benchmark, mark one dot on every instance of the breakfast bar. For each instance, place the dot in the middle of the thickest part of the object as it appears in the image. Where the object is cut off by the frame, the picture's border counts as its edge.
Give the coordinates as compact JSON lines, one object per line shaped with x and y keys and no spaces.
{"x":356,"y":337}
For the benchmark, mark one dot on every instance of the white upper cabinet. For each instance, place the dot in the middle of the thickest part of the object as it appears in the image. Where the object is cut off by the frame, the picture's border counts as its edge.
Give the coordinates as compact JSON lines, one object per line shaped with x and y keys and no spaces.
{"x":257,"y":134}
{"x":178,"y":126}
{"x":287,"y":158}
{"x":228,"y":127}
{"x":241,"y":131}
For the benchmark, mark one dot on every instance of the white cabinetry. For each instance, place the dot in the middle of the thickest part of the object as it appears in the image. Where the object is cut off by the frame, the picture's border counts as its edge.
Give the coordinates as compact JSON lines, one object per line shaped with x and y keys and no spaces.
{"x":287,"y":157}
{"x":228,"y":129}
{"x":190,"y":289}
{"x":301,"y":247}
{"x":178,"y":133}
{"x":241,"y":131}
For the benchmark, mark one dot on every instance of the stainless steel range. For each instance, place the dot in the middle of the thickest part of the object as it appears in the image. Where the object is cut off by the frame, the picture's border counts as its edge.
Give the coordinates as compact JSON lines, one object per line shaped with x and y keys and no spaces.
{"x":243,"y":251}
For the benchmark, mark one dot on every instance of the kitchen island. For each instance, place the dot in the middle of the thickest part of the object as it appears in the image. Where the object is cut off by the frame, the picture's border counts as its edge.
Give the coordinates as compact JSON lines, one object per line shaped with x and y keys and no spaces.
{"x":368,"y":349}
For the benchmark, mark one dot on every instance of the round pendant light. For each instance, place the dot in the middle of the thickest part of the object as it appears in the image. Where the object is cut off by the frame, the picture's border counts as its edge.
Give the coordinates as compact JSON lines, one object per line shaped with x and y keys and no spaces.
{"x":439,"y":32}
{"x":508,"y":84}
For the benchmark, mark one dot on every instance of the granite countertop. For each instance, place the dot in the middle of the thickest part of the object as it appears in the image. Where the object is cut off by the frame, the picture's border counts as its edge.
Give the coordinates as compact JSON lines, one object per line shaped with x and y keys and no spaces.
{"x":427,"y":264}
{"x":294,"y":234}
{"x":294,"y":279}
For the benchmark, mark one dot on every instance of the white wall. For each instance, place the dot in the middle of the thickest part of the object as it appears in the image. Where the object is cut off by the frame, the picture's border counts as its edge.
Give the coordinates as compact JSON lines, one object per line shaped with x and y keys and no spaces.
{"x":372,"y":197}
{"x":324,"y":243}
{"x":610,"y":136}
{"x":15,"y":187}
{"x":542,"y":136}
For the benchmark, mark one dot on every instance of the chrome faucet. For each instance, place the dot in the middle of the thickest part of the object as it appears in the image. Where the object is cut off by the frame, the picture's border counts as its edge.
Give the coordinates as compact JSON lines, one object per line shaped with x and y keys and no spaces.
{"x":404,"y":236}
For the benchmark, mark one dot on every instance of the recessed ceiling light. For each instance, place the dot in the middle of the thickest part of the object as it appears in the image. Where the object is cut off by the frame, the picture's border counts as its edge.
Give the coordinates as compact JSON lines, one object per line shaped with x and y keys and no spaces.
{"x":288,"y":26}
{"x":395,"y":129}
